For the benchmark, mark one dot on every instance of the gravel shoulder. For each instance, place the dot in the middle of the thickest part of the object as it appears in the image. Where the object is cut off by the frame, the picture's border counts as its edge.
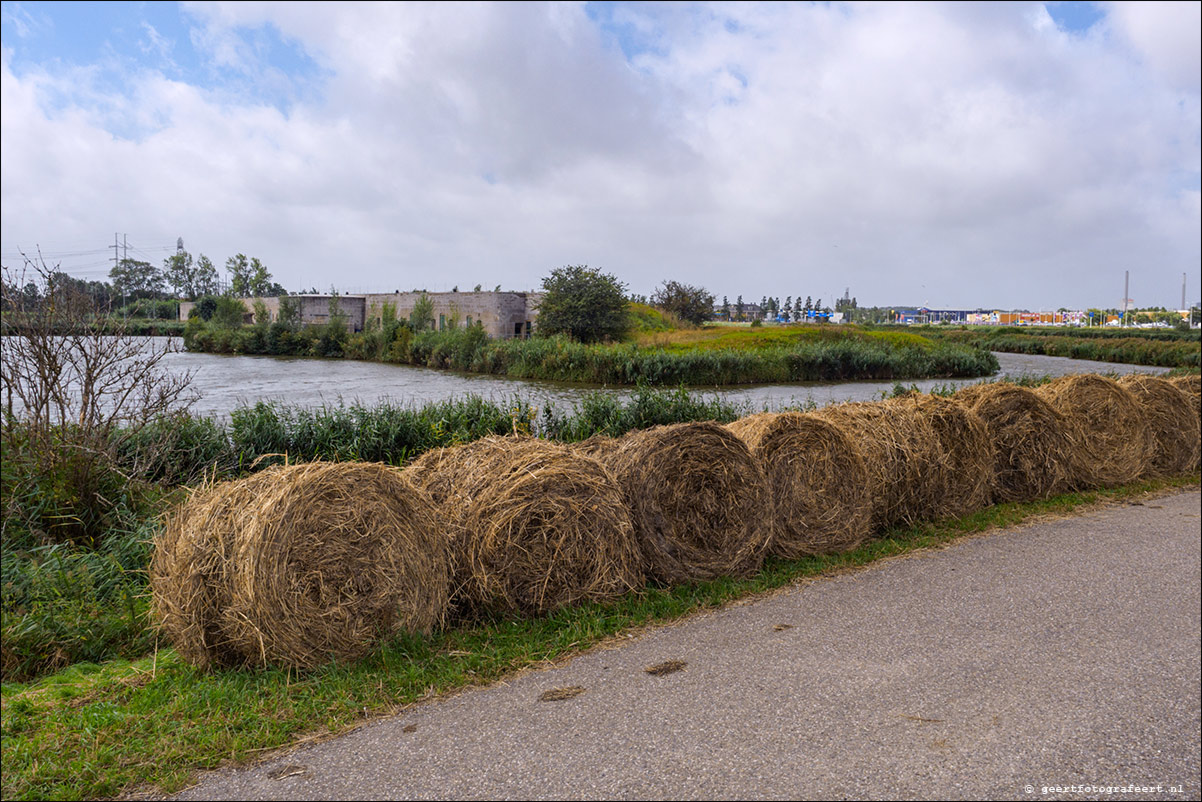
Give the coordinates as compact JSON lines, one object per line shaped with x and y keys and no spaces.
{"x":1060,"y":655}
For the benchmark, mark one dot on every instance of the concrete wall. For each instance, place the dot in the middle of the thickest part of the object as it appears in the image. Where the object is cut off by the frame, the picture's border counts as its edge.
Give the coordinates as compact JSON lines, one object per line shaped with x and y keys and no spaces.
{"x":502,"y":314}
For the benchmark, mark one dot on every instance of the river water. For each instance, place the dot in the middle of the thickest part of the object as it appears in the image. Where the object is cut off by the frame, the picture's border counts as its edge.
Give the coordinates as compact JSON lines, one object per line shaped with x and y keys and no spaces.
{"x":227,"y":382}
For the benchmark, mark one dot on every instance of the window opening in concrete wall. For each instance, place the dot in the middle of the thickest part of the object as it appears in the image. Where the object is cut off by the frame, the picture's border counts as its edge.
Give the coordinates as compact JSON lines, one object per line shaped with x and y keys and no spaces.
{"x":517,"y":329}
{"x":442,"y":322}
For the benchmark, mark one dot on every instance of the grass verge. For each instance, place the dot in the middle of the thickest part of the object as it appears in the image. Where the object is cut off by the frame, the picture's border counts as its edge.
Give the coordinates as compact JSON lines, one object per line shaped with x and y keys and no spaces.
{"x":97,"y":731}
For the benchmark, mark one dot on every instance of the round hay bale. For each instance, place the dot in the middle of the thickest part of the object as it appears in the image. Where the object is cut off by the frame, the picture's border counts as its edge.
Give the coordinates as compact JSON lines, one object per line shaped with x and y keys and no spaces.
{"x":1106,"y":427}
{"x":301,"y":564}
{"x":900,"y":453}
{"x":535,"y":526}
{"x":699,"y":502}
{"x":1030,"y":440}
{"x":1191,"y":385}
{"x":1172,"y":421}
{"x":817,"y":479}
{"x":188,"y":580}
{"x":959,"y":476}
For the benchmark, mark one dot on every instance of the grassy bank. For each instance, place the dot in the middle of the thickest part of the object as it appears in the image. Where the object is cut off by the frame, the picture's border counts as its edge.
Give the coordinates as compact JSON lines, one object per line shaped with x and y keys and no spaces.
{"x":96,"y":731}
{"x":1163,"y":348}
{"x":712,"y":356}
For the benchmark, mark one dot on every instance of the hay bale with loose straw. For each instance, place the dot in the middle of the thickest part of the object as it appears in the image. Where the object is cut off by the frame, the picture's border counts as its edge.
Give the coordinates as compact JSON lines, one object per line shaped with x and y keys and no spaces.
{"x":598,"y":446}
{"x":817,"y":479}
{"x":899,"y":454}
{"x":188,"y":573}
{"x":959,"y":478}
{"x":313,"y":562}
{"x":535,"y":527}
{"x":1171,"y":420}
{"x":1031,"y":446}
{"x":698,"y":500}
{"x":1191,"y":385}
{"x":1106,"y":426}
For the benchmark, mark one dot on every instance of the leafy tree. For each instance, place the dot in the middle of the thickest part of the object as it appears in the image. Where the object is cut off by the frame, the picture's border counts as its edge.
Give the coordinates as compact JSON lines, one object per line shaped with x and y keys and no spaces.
{"x":584,"y":303}
{"x":809,"y":307}
{"x":228,"y":312}
{"x":689,"y":303}
{"x":260,"y":280}
{"x":422,"y":316}
{"x":205,"y":308}
{"x":239,"y":269}
{"x":739,"y":307}
{"x":725,"y":308}
{"x":290,"y":312}
{"x":180,"y":274}
{"x":135,"y":279}
{"x":205,"y":280}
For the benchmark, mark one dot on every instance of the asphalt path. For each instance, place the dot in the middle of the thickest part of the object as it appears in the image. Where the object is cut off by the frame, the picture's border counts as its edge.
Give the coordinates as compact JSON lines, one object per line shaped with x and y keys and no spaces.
{"x":1059,"y":660}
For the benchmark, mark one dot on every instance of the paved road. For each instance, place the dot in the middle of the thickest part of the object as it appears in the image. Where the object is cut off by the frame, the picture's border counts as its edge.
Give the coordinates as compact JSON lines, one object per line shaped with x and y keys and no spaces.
{"x":1060,"y":654}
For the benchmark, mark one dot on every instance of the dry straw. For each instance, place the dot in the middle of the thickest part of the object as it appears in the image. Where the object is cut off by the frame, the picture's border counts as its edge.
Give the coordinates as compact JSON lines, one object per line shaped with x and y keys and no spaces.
{"x":1191,"y":385}
{"x":817,"y":478}
{"x":534,"y":526}
{"x":959,"y":475}
{"x":299,"y":565}
{"x":1172,"y":421}
{"x":1110,"y":437}
{"x":699,"y":502}
{"x":900,"y":453}
{"x":598,"y":446}
{"x":1030,"y":440}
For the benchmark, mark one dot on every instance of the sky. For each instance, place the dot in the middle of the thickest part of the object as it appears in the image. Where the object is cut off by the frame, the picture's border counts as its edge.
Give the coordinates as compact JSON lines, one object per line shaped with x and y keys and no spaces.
{"x":995,"y":155}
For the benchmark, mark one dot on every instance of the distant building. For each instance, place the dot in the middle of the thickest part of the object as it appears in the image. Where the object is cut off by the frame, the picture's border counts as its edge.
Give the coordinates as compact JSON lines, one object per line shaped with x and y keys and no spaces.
{"x":502,"y":314}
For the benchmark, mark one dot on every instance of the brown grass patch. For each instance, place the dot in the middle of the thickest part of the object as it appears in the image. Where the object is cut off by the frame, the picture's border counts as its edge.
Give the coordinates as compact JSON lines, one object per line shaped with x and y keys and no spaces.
{"x":817,"y":479}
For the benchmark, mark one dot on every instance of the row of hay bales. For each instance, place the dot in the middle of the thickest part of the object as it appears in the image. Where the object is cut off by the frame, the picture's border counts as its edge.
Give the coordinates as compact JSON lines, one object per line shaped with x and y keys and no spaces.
{"x":301,"y":564}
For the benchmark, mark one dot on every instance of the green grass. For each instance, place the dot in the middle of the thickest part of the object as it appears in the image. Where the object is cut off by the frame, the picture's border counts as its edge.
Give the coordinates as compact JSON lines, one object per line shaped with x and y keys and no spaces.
{"x":1164,"y":348}
{"x":97,"y":731}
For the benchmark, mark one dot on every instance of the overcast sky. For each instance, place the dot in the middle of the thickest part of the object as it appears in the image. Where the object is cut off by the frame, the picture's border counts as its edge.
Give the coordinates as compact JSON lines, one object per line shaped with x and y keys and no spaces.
{"x":1014,"y":155}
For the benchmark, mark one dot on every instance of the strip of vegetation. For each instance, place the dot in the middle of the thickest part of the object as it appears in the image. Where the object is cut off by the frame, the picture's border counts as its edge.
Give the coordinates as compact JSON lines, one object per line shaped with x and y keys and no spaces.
{"x":759,"y":358}
{"x":96,"y":731}
{"x":1164,"y":348}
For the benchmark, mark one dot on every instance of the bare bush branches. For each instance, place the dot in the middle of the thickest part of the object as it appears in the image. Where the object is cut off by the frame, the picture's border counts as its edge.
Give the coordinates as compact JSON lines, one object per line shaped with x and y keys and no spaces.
{"x":76,"y":385}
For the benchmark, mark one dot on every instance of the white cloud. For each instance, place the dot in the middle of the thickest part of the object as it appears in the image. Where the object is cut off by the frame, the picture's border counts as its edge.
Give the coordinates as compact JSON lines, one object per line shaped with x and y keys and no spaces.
{"x":957,"y":155}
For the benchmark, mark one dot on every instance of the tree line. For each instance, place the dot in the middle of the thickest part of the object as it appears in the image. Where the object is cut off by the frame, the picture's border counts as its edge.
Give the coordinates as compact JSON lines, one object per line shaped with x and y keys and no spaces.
{"x":144,"y":290}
